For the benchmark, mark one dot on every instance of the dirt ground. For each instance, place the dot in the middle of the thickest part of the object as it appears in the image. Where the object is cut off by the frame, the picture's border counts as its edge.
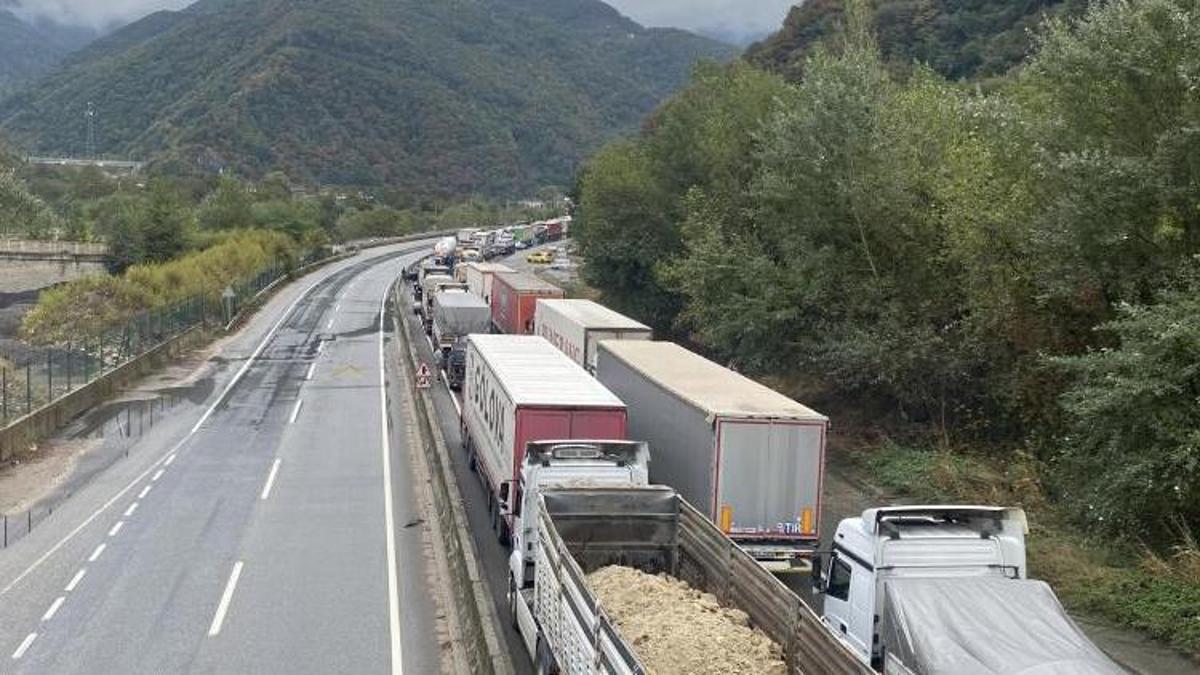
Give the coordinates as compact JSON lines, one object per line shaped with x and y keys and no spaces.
{"x":678,"y":630}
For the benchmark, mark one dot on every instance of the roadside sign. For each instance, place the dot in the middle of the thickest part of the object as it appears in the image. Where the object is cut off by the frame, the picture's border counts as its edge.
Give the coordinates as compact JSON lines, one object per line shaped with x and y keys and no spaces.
{"x":424,"y":376}
{"x":228,"y":293}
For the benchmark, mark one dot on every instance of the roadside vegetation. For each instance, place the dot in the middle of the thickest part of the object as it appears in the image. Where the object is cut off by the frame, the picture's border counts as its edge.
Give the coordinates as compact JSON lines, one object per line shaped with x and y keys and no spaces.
{"x":1000,"y":282}
{"x":175,"y":240}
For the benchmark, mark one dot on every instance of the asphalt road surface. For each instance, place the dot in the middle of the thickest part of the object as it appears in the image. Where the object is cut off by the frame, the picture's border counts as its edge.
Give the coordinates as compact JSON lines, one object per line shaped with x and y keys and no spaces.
{"x":267,"y":529}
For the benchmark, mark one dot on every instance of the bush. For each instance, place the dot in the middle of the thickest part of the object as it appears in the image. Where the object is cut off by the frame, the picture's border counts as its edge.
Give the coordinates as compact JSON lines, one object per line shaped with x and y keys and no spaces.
{"x":87,"y":308}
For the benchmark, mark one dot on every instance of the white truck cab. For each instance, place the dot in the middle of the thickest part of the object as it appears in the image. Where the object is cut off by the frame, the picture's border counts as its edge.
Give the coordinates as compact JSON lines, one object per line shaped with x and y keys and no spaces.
{"x":550,"y":464}
{"x":943,"y":589}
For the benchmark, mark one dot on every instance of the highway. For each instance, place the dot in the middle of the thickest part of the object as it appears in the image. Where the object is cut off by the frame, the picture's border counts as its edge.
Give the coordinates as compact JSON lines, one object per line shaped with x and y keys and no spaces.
{"x":271,"y":528}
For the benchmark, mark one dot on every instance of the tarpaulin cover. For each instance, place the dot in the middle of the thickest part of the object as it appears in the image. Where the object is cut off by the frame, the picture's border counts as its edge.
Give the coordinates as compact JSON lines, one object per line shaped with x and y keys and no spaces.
{"x":983,"y":626}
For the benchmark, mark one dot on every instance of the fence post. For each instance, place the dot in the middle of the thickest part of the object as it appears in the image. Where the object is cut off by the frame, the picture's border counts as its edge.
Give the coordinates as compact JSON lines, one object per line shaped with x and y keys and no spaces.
{"x":28,"y":388}
{"x":68,"y":367}
{"x":4,"y":386}
{"x":50,"y":374}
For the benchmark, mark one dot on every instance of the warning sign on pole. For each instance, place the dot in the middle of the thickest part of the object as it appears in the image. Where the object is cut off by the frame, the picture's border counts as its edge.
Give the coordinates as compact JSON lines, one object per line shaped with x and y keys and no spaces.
{"x":423,"y":376}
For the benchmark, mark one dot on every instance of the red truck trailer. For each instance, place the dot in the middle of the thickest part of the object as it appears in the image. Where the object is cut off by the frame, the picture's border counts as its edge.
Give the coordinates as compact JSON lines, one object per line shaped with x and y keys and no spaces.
{"x":514,"y":301}
{"x":520,"y":389}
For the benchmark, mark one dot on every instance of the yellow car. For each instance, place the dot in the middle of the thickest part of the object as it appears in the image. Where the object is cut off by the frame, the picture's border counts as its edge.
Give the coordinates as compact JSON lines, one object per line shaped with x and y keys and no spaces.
{"x":540,"y":258}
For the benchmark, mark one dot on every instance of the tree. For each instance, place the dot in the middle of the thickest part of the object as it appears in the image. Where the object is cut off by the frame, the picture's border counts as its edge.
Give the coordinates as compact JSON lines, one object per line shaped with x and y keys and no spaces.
{"x":1133,"y":447}
{"x":382,"y":221}
{"x":227,"y":207}
{"x":165,"y":224}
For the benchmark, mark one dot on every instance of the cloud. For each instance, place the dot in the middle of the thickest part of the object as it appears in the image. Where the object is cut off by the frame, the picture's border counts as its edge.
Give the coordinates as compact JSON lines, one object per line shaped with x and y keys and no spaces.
{"x":98,"y":14}
{"x":744,"y":19}
{"x":736,"y":19}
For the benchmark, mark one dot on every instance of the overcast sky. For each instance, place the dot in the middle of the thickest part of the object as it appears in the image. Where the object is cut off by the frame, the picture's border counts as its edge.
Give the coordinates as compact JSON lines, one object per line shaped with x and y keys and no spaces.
{"x":745,"y":18}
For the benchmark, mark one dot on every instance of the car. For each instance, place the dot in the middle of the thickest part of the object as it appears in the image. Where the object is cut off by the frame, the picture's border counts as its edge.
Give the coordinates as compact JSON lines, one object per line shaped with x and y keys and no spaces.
{"x":540,"y":257}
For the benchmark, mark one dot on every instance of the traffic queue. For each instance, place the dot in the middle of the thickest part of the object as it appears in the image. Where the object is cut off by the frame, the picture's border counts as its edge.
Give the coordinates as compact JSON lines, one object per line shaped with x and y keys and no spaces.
{"x":600,"y":449}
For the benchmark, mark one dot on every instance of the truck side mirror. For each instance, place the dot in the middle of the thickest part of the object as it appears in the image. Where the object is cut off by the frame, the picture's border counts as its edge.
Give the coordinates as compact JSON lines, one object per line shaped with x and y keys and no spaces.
{"x":818,"y":582}
{"x":505,"y":489}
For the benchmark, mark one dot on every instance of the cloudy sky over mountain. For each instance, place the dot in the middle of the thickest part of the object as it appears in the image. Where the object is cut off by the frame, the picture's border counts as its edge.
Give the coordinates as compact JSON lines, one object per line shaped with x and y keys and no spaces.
{"x":732,"y":19}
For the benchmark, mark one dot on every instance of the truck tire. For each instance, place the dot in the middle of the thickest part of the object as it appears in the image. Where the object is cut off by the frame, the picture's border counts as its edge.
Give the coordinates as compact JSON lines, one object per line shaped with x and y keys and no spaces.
{"x":471,"y":462}
{"x":512,"y":602}
{"x":544,"y":663}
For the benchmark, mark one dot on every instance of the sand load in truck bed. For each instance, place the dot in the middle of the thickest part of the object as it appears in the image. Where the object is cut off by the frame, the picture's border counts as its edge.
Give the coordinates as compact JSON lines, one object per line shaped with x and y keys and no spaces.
{"x":678,"y":630}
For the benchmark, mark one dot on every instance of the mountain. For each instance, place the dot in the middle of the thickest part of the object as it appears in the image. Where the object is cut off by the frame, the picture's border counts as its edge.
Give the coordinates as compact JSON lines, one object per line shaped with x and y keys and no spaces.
{"x":433,"y":96}
{"x":28,"y":50}
{"x":962,"y":39}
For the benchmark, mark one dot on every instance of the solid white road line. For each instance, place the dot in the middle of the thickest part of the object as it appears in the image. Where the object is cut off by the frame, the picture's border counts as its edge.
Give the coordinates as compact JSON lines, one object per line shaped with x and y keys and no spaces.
{"x":97,"y":553}
{"x":157,"y":474}
{"x":75,"y":580}
{"x":266,"y":491}
{"x":199,"y":423}
{"x":24,"y":646}
{"x":296,"y":411}
{"x":116,"y":528}
{"x":226,"y":597}
{"x":54,"y":608}
{"x":311,"y":367}
{"x":129,"y":511}
{"x":388,"y":517}
{"x":145,"y":491}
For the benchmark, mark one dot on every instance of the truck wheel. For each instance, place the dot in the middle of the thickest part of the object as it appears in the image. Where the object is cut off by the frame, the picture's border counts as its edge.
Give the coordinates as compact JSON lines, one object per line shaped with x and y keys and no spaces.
{"x":471,"y":462}
{"x":502,"y":532}
{"x":512,"y":601}
{"x":544,"y":663}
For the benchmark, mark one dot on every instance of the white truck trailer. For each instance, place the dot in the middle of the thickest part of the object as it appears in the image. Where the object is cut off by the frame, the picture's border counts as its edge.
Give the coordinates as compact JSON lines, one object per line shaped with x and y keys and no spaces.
{"x":942,"y":590}
{"x":478,"y":277}
{"x":576,"y":327}
{"x":570,"y":529}
{"x":751,"y":459}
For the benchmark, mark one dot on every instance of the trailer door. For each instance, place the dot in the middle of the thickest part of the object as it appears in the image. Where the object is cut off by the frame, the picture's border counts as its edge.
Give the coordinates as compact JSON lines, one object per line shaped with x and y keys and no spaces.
{"x":539,"y":425}
{"x":769,"y":478}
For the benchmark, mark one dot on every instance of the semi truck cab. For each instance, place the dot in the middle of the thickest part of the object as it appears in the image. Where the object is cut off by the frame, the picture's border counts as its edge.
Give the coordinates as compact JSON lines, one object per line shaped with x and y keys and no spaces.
{"x":944,"y":589}
{"x":558,"y":464}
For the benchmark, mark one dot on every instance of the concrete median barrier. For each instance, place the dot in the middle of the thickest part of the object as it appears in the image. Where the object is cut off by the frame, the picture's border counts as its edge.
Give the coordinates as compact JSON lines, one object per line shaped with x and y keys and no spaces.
{"x":474,"y":620}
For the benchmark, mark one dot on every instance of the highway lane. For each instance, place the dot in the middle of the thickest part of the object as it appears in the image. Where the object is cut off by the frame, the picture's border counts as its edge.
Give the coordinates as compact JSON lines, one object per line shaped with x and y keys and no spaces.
{"x":250,"y":533}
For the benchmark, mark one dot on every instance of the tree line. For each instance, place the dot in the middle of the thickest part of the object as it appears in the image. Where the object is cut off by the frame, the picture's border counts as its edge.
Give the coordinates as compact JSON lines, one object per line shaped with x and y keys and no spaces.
{"x":1013,"y":268}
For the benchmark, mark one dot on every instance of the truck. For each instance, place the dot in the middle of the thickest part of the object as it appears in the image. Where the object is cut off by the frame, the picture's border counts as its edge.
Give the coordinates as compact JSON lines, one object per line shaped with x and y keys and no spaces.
{"x":576,"y":327}
{"x":514,"y":301}
{"x":576,"y":529}
{"x":479,"y":276}
{"x":520,"y":389}
{"x":554,"y":229}
{"x":457,"y":314}
{"x":751,"y":459}
{"x":430,"y":288}
{"x":936,"y":590}
{"x":466,"y":236}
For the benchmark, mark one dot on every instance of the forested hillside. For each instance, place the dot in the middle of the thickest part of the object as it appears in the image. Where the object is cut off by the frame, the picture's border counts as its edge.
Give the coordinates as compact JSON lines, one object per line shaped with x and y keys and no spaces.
{"x":450,"y":97}
{"x":27,"y":51}
{"x":1004,"y":279}
{"x":975,"y":38}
